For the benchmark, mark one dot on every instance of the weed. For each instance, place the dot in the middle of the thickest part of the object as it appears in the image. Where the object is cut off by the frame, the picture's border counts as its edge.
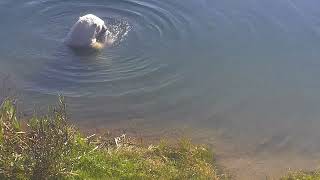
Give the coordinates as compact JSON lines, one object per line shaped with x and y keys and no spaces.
{"x":51,"y":148}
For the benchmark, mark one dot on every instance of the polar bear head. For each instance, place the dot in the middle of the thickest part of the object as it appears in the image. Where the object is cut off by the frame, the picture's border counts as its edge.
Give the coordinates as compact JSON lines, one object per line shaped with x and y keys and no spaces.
{"x":88,"y":32}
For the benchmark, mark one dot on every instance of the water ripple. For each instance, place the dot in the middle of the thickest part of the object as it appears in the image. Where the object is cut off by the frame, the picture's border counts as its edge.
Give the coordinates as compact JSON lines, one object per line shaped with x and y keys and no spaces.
{"x":141,"y":31}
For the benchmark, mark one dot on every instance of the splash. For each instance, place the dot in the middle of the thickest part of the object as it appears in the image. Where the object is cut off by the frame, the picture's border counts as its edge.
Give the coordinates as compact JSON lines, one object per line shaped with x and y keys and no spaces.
{"x":118,"y":30}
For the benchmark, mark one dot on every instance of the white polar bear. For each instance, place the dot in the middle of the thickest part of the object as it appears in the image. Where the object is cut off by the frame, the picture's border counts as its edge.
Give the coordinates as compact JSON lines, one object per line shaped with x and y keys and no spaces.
{"x":88,"y":32}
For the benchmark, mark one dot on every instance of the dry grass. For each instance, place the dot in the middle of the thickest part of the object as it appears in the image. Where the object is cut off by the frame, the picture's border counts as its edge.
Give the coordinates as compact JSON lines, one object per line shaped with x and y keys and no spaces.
{"x":50,"y":148}
{"x":301,"y":175}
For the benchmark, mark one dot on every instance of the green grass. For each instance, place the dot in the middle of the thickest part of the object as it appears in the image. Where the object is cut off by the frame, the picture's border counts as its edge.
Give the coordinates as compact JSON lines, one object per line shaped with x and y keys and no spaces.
{"x":50,"y":148}
{"x":315,"y":175}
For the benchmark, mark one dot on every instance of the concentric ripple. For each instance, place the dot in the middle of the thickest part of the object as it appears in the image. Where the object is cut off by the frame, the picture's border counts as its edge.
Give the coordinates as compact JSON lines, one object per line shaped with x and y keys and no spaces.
{"x":142,"y":32}
{"x":249,"y":68}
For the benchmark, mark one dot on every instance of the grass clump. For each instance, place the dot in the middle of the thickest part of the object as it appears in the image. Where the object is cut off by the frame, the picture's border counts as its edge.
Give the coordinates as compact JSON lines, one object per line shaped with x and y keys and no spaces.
{"x":314,"y":175}
{"x":185,"y":161}
{"x":50,"y":148}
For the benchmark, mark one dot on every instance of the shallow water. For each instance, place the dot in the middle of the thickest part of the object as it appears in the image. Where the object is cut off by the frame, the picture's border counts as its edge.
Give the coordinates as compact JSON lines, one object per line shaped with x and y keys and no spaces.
{"x":250,"y":68}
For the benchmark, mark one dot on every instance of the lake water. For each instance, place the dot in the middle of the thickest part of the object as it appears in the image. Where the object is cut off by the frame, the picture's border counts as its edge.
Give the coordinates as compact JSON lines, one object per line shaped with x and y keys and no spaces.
{"x":249,"y":67}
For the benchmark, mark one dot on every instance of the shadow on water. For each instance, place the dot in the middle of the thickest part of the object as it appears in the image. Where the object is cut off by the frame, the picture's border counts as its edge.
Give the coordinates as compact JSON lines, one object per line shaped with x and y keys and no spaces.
{"x":86,"y":52}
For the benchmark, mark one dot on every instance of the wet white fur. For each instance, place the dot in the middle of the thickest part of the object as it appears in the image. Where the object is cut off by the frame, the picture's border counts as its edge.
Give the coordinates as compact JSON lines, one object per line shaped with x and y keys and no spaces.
{"x":85,"y":31}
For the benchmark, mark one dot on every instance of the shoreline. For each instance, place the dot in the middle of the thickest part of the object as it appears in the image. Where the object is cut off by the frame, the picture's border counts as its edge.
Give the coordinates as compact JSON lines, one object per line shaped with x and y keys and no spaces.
{"x":240,"y":158}
{"x":232,"y":157}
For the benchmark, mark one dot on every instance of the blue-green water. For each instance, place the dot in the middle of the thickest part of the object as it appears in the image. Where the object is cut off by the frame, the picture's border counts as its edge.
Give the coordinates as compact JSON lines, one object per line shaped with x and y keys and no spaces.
{"x":251,"y":67}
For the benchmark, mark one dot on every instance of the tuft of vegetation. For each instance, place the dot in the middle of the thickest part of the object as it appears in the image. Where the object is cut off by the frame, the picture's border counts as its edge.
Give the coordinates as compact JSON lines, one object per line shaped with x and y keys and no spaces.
{"x":50,"y":148}
{"x":315,"y":175}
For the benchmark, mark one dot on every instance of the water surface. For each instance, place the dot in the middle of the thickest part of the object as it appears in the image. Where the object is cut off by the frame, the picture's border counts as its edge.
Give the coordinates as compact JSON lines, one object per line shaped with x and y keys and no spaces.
{"x":250,"y":67}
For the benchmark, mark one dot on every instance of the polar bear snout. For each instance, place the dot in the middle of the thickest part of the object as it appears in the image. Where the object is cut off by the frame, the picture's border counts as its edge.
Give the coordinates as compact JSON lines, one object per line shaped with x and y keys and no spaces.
{"x":102,"y":35}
